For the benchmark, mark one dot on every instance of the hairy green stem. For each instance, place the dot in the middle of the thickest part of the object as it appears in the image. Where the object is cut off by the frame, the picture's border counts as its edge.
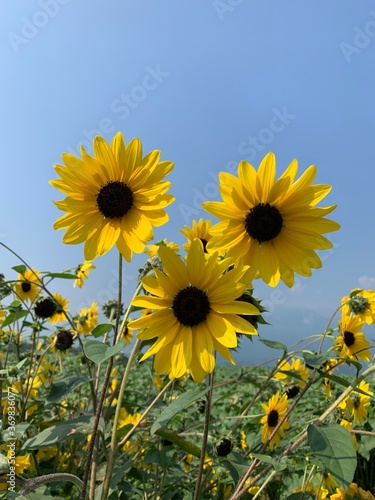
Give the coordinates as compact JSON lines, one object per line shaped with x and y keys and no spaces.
{"x":98,"y":413}
{"x":207,"y":415}
{"x":33,"y":483}
{"x":113,"y":445}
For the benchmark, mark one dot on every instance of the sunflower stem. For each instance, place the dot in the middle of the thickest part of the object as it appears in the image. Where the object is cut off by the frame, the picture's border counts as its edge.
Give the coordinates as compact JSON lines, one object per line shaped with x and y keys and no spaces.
{"x":98,"y":413}
{"x":207,"y":415}
{"x":113,"y":445}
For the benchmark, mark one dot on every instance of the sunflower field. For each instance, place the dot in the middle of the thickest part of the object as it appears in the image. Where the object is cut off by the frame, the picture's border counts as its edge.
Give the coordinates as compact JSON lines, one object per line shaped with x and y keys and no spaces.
{"x":177,"y":419}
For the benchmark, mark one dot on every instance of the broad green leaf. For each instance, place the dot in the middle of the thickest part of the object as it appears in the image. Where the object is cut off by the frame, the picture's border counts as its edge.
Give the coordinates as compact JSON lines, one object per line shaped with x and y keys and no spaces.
{"x":315,"y":360}
{"x":21,"y":269}
{"x":274,"y":345}
{"x":12,"y":317}
{"x":99,"y":352}
{"x":66,"y":385}
{"x":60,"y":432}
{"x":176,"y":406}
{"x":278,"y":466}
{"x":236,"y":466}
{"x":333,"y":448}
{"x":101,"y":329}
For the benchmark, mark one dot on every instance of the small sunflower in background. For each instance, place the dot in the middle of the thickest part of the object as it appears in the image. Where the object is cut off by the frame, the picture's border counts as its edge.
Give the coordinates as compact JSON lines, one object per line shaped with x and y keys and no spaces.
{"x":82,"y":273}
{"x":63,"y":340}
{"x":351,"y":342}
{"x":274,"y":411}
{"x":3,"y":313}
{"x":196,"y":312}
{"x":198,"y":230}
{"x":115,"y":197}
{"x":272,"y":225}
{"x":357,"y":403}
{"x":61,"y":309}
{"x":126,"y":334}
{"x":28,"y":285}
{"x":87,"y":319}
{"x":152,"y":250}
{"x":297,"y":373}
{"x":360,"y":303}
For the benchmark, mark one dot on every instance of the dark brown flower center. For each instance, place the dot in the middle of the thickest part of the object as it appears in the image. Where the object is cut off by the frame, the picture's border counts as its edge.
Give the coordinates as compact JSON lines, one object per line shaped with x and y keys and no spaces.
{"x":204,"y":242}
{"x":114,"y":200}
{"x":224,"y":448}
{"x":273,"y":418}
{"x":349,"y":338}
{"x":26,"y":286}
{"x":64,"y":340}
{"x":191,"y":306}
{"x":45,"y":308}
{"x":263,"y":222}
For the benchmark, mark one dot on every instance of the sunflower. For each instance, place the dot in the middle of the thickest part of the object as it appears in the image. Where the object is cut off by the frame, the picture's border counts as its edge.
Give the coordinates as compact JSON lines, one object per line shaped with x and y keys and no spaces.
{"x":126,"y":335}
{"x":3,"y":313}
{"x":197,"y":312}
{"x":61,"y":309}
{"x":274,"y":412}
{"x":87,"y":319}
{"x":272,"y":225}
{"x":349,"y":426}
{"x":360,"y":303}
{"x":113,"y":197}
{"x":28,"y":285}
{"x":357,"y":403}
{"x":297,"y":373}
{"x":355,"y":491}
{"x":198,"y":230}
{"x":152,"y":250}
{"x":63,"y":340}
{"x":351,"y":341}
{"x":82,"y":273}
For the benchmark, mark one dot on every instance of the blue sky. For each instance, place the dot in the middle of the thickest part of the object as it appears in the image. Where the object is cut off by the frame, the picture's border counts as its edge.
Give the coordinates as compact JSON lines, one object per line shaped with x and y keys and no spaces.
{"x":208,"y":82}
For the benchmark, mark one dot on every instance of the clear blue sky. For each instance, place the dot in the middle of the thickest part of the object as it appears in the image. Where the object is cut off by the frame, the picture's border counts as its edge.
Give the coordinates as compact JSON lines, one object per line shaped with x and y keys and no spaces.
{"x":208,"y":83}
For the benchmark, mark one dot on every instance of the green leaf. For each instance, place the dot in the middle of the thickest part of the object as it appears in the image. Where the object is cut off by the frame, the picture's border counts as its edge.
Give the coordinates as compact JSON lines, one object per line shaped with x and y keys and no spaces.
{"x":101,"y":329}
{"x":268,"y":460}
{"x":21,"y":269}
{"x":99,"y":352}
{"x":4,"y":464}
{"x":12,"y":317}
{"x":334,"y":450}
{"x":274,"y":345}
{"x":60,"y":388}
{"x":66,"y":276}
{"x":60,"y":432}
{"x":236,"y":466}
{"x":315,"y":360}
{"x":176,"y":406}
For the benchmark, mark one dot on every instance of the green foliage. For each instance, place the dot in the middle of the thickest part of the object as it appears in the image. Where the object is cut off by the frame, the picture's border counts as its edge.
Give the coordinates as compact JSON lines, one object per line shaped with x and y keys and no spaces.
{"x":333,"y":449}
{"x":55,"y":396}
